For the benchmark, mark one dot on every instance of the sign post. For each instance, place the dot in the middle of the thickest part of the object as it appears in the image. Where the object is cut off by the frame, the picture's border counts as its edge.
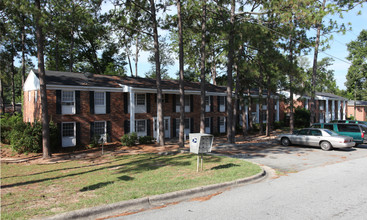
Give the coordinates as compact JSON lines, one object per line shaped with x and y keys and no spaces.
{"x":200,"y":144}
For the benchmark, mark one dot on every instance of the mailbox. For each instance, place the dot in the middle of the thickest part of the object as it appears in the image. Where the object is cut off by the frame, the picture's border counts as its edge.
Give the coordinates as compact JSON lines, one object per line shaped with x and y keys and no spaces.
{"x":200,"y":143}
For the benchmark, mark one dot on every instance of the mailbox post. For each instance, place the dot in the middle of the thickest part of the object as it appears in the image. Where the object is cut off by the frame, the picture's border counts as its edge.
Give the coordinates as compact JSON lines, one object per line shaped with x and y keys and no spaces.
{"x":200,"y":144}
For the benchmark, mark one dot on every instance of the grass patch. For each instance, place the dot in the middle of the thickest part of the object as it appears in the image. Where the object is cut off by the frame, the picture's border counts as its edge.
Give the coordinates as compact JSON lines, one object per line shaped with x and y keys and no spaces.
{"x":34,"y":190}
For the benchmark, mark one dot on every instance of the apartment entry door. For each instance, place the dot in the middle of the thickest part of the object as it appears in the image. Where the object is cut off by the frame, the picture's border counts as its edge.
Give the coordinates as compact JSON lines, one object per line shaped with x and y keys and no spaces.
{"x":166,"y":125}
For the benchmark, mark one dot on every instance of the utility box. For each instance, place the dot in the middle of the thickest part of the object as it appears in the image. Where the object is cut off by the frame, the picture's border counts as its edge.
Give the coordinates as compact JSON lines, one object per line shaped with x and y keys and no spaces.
{"x":200,"y":143}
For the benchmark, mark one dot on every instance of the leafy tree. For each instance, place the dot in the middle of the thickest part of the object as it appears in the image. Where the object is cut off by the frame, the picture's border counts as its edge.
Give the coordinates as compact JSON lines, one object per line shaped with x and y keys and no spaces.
{"x":357,"y":73}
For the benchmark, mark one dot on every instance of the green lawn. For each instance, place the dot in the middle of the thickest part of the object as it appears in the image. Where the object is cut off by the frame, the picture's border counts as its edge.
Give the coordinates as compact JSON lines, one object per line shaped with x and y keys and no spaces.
{"x":35,"y":190}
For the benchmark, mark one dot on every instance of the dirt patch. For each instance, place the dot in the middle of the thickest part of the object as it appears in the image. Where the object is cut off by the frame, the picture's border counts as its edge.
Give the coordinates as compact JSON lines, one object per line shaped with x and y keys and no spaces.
{"x":95,"y":154}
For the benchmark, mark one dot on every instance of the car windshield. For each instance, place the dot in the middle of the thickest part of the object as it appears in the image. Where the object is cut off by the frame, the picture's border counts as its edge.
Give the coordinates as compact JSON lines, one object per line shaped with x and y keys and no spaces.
{"x":331,"y":133}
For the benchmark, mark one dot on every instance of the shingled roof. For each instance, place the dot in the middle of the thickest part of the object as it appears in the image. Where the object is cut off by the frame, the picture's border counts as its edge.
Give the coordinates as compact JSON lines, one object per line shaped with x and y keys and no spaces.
{"x":97,"y":80}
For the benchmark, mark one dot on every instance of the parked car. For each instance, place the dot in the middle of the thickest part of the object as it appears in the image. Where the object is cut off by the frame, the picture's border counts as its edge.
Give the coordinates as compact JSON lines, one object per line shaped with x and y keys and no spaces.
{"x":324,"y":138}
{"x":350,"y":121}
{"x":357,"y":131}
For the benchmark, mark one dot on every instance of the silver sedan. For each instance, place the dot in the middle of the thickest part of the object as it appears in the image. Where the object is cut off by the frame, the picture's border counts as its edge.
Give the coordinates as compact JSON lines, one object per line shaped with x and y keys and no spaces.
{"x":324,"y":138}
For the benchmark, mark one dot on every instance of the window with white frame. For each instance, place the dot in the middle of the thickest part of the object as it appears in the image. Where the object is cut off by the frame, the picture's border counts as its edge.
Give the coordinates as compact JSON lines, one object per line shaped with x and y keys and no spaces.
{"x":29,"y":96}
{"x":207,"y":103}
{"x":99,"y":102}
{"x":222,"y":105}
{"x":100,"y":128}
{"x":186,"y":101}
{"x":68,"y":134}
{"x":140,"y":126}
{"x":68,"y":102}
{"x":222,"y":124}
{"x":140,"y":103}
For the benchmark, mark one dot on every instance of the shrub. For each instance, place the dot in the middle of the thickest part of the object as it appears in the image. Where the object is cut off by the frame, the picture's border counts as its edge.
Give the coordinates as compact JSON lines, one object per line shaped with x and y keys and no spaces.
{"x":8,"y":123}
{"x":129,"y":139}
{"x":278,"y":124}
{"x":145,"y":140}
{"x":26,"y":138}
{"x":301,"y":117}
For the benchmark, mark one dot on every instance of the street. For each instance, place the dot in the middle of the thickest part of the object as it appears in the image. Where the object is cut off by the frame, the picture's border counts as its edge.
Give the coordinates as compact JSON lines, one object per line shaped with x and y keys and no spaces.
{"x":330,"y":190}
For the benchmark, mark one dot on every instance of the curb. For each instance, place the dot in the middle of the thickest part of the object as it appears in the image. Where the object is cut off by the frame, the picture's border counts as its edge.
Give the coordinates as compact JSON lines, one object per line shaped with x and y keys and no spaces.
{"x":153,"y":201}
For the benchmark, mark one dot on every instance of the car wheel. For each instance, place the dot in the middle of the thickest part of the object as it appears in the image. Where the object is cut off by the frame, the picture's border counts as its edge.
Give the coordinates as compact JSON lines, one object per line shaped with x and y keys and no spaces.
{"x":285,"y":141}
{"x":325,"y":145}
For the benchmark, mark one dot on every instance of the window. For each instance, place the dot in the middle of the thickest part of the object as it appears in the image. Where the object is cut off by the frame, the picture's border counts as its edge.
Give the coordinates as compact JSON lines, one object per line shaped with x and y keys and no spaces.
{"x":316,"y":133}
{"x":68,"y":102}
{"x":140,"y":125}
{"x":29,"y":96}
{"x":68,"y":134}
{"x":35,"y":96}
{"x":186,"y":101}
{"x":222,"y":104}
{"x":99,"y":128}
{"x":221,"y":121}
{"x":303,"y":132}
{"x":208,"y":103}
{"x":187,"y":123}
{"x":207,"y":122}
{"x":68,"y":129}
{"x":348,"y":128}
{"x":140,"y":99}
{"x":67,"y":98}
{"x":99,"y":102}
{"x":329,"y":126}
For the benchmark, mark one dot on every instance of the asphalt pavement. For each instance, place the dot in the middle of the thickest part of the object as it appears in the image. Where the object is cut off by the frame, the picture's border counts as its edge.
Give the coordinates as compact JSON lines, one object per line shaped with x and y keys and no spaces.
{"x":334,"y":191}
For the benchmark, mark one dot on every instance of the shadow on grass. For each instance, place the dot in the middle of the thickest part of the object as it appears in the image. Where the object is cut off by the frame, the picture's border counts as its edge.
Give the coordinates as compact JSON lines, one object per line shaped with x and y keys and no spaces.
{"x":95,"y":186}
{"x":125,"y":178}
{"x":225,"y":166}
{"x":139,"y":164}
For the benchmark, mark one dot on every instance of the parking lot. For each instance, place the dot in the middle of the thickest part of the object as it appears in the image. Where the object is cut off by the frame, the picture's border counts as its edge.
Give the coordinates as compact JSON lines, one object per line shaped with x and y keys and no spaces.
{"x":291,"y":158}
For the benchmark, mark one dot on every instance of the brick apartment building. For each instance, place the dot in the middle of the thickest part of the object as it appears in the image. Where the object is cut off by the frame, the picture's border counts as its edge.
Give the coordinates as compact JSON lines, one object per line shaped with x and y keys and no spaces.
{"x":328,"y":106}
{"x":360,"y":111}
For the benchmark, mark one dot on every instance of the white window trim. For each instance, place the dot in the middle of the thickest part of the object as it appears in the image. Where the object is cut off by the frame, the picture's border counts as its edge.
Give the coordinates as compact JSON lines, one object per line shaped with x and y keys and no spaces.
{"x":100,"y":109}
{"x":73,"y":110}
{"x":105,"y":127}
{"x":29,"y":96}
{"x":187,"y":105}
{"x":141,"y":133}
{"x":69,"y":137}
{"x":138,"y":108}
{"x":222,"y":107}
{"x":207,"y":106}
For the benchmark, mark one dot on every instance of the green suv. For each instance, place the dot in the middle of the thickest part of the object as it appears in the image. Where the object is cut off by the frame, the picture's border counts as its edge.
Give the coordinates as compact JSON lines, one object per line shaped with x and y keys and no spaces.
{"x":357,"y":131}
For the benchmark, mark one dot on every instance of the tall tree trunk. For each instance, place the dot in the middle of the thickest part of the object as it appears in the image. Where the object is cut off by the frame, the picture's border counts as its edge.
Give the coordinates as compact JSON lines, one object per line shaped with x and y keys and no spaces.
{"x":261,"y":125}
{"x":2,"y":95}
{"x":129,"y":61}
{"x":181,"y":135}
{"x":23,"y":51}
{"x":12,"y":76}
{"x":57,"y":58}
{"x":314,"y":69}
{"x":158,"y":72}
{"x":268,"y":109}
{"x":230,"y":132}
{"x":42,"y":78}
{"x":244,"y":118}
{"x":291,"y":107}
{"x":71,"y":49}
{"x":136,"y":55}
{"x":250,"y":122}
{"x":236,"y":94}
{"x":202,"y":69}
{"x":214,"y":69}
